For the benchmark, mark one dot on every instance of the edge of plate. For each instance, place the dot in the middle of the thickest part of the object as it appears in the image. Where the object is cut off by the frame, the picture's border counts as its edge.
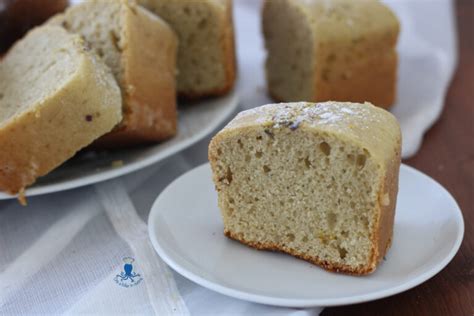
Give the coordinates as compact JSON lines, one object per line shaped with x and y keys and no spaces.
{"x":113,"y":173}
{"x":302,"y":303}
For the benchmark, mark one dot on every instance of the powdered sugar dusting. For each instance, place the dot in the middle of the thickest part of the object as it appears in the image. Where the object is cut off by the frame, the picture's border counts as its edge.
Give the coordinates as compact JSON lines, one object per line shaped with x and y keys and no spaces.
{"x":369,"y":126}
{"x":347,"y":110}
{"x":338,"y":115}
{"x":327,"y":113}
{"x":283,"y":117}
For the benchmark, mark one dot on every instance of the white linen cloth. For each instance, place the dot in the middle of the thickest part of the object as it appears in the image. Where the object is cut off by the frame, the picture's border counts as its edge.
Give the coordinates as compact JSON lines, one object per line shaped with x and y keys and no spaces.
{"x":64,"y":253}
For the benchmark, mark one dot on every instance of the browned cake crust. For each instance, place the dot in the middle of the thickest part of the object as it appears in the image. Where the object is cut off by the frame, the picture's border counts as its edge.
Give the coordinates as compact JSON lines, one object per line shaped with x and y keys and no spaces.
{"x":374,"y":81}
{"x":387,"y":207}
{"x":314,"y":260}
{"x":145,"y":68}
{"x":149,"y":89}
{"x":377,"y":86}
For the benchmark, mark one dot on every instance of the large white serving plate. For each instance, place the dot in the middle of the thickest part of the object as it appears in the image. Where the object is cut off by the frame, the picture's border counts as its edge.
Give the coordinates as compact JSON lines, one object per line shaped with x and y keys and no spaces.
{"x":186,"y":230}
{"x":195,"y":121}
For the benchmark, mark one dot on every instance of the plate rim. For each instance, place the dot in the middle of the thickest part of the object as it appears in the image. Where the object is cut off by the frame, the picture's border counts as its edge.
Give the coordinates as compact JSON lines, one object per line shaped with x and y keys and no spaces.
{"x":305,"y":303}
{"x":233,"y":102}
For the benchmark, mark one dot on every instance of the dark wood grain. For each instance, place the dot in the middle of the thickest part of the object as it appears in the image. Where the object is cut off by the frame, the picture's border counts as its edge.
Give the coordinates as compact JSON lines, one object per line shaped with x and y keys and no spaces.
{"x":447,"y":155}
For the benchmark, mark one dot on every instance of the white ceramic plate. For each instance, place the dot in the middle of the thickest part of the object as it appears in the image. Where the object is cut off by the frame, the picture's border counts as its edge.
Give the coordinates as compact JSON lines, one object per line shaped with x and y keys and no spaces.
{"x":187,"y":232}
{"x":195,"y":122}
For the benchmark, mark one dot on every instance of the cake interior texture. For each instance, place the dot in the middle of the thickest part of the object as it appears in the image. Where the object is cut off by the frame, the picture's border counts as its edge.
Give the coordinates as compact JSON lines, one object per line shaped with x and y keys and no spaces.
{"x":51,"y":61}
{"x":314,"y":193}
{"x":290,"y":67}
{"x":56,"y":97}
{"x":204,"y":40}
{"x":102,"y":29}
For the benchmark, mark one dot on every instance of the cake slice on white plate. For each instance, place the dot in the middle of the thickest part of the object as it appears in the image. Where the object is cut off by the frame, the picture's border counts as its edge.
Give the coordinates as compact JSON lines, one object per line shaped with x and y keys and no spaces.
{"x":316,"y":180}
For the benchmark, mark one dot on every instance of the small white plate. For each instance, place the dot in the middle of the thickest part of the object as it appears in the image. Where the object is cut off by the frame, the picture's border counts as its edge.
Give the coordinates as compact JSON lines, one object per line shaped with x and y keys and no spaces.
{"x":195,"y":121}
{"x":186,"y":230}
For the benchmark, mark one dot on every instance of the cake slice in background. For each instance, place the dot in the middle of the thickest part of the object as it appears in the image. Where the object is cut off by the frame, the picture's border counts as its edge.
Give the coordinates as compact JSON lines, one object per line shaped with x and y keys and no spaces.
{"x":340,"y":50}
{"x":56,"y":97}
{"x":317,"y":181}
{"x":206,"y":54}
{"x":140,"y":48}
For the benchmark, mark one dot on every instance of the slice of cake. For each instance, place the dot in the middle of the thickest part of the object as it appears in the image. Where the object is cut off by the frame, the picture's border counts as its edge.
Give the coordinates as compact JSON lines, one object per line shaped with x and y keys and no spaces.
{"x":206,"y":57}
{"x":56,"y":97}
{"x":140,"y":48}
{"x":342,"y":50}
{"x":317,"y":181}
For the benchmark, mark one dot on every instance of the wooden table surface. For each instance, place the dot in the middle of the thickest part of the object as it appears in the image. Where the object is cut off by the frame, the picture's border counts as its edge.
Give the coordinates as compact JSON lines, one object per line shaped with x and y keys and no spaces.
{"x":447,"y":155}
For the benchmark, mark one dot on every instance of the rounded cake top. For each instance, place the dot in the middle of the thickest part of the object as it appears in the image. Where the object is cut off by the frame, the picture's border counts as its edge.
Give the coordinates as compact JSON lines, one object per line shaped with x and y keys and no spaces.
{"x":371,"y":127}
